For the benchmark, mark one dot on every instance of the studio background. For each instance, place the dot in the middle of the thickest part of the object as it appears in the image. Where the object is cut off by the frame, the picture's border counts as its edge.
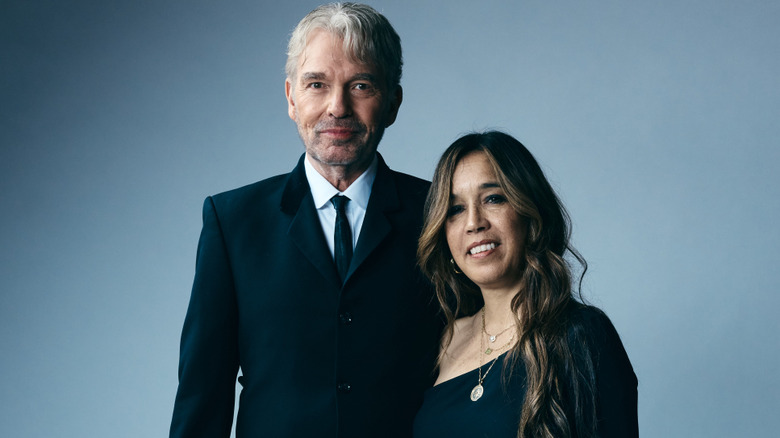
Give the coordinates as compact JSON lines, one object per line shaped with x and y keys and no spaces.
{"x":657,"y":122}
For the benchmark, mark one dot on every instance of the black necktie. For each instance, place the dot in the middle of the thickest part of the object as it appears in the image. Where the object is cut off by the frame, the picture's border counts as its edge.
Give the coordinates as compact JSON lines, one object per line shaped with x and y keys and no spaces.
{"x":342,"y":236}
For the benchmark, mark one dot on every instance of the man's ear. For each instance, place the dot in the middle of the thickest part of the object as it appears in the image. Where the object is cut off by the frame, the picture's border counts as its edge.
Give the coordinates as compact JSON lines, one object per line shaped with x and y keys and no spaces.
{"x":288,"y":92}
{"x":398,"y":97}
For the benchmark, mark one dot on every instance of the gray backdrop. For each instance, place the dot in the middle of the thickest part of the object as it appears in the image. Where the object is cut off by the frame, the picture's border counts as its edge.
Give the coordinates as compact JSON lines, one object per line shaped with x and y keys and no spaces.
{"x":656,"y":121}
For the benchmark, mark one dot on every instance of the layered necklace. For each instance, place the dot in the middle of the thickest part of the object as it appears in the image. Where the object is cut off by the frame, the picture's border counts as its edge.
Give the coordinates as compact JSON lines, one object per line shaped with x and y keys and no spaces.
{"x":478,"y":390}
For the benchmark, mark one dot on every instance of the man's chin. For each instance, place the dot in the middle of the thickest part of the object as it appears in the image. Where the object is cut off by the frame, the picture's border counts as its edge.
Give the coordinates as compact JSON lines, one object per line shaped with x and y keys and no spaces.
{"x":342,"y":157}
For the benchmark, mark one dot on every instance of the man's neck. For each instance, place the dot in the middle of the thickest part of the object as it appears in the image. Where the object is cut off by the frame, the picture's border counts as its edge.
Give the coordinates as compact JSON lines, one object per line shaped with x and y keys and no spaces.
{"x":339,"y":177}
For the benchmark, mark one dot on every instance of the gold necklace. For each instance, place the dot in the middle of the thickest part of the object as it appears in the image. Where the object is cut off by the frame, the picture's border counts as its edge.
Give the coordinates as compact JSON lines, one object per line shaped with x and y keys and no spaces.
{"x":492,"y":338}
{"x":478,"y":390}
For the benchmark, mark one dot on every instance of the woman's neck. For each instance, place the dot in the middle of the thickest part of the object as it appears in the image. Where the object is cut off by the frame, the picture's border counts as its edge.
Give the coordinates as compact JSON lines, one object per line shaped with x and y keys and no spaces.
{"x":498,"y":310}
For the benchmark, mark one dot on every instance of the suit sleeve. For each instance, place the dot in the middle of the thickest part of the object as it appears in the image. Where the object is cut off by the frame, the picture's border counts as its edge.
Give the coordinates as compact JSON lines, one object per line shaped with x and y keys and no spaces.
{"x":616,"y":382}
{"x":208,"y":361}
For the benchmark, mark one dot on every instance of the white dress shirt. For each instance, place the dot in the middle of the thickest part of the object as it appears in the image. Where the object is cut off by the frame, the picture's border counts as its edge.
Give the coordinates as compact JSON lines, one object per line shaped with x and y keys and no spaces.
{"x":358,"y":193}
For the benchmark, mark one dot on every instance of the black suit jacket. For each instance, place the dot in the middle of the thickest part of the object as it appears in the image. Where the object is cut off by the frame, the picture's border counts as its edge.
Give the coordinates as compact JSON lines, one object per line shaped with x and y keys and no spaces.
{"x":317,"y":358}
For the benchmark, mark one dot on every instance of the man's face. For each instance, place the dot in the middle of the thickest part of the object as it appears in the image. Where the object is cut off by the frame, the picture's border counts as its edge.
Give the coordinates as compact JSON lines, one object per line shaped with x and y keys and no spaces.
{"x":341,"y":108}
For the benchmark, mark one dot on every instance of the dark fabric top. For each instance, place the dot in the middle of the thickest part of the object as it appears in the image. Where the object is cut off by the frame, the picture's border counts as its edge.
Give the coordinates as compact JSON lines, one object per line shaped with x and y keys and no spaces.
{"x":448,"y":411}
{"x":318,"y":356}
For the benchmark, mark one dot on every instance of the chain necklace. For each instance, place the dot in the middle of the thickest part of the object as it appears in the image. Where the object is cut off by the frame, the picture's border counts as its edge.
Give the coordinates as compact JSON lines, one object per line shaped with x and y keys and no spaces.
{"x":492,"y":338}
{"x":478,"y":390}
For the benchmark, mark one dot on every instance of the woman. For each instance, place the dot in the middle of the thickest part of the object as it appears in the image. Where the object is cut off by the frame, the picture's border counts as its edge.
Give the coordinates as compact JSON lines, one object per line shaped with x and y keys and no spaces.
{"x":520,"y":357}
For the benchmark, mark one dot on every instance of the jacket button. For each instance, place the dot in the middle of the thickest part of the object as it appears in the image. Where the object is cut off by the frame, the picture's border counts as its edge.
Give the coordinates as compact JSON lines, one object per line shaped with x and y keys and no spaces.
{"x":344,"y":388}
{"x":345,"y":318}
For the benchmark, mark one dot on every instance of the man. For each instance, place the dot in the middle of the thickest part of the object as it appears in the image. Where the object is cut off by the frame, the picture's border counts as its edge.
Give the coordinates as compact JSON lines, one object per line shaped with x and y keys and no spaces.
{"x":315,"y":297}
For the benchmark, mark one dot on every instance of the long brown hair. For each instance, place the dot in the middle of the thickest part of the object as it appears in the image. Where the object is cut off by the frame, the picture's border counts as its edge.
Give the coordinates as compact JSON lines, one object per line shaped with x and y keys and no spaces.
{"x":559,"y":372}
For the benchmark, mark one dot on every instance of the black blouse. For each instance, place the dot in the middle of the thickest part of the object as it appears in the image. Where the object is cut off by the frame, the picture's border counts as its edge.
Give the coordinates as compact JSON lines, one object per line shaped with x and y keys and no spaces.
{"x":448,"y":411}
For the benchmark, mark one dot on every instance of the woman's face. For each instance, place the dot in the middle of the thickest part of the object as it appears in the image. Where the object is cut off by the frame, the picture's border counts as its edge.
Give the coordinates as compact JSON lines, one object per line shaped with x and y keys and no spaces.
{"x":485,"y":235}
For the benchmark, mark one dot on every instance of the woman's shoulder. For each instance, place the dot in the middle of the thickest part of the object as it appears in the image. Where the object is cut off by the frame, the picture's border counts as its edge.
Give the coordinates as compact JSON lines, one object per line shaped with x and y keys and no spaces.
{"x":590,"y":326}
{"x":464,"y":321}
{"x":590,"y":320}
{"x":592,"y":333}
{"x":462,"y":331}
{"x":455,"y":360}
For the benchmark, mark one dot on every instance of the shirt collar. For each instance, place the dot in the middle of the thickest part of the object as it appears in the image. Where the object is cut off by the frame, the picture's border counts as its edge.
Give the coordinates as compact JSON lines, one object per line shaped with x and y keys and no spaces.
{"x":359,"y":191}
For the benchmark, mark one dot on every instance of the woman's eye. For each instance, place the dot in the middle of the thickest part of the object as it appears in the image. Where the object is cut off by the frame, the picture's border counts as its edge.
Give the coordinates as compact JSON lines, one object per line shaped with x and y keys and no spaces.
{"x":495,"y":199}
{"x":455,"y":209}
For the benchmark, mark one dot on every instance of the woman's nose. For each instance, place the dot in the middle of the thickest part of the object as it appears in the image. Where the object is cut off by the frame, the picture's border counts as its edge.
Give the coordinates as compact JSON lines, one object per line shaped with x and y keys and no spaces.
{"x":476,"y":220}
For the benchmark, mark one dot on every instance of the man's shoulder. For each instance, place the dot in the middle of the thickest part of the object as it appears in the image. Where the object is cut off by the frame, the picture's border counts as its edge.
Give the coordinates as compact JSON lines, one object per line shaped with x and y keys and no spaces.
{"x":267,"y":190}
{"x":410,"y":180}
{"x":410,"y":185}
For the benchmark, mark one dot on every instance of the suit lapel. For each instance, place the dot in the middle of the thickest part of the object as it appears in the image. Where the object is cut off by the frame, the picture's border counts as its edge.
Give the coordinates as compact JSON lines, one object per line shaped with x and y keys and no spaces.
{"x":305,"y":230}
{"x":376,"y":226}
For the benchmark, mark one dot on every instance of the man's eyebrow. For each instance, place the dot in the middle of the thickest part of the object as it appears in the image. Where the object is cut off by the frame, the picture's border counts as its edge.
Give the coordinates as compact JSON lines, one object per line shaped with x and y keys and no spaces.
{"x":319,"y":76}
{"x":365,"y":77}
{"x":312,"y":76}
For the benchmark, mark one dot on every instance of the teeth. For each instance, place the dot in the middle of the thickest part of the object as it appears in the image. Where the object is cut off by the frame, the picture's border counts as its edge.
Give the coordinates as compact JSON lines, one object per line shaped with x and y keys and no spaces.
{"x":482,"y":248}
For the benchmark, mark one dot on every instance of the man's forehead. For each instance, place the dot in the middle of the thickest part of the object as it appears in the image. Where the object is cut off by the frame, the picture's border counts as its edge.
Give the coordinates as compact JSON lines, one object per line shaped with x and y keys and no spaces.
{"x":322,"y":44}
{"x":321,"y":71}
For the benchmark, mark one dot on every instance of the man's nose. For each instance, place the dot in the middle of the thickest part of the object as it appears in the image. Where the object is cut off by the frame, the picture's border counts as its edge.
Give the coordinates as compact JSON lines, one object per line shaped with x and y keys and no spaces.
{"x":339,"y":104}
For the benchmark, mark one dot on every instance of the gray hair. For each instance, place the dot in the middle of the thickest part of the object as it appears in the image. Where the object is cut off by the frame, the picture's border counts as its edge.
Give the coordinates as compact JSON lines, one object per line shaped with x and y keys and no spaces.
{"x":368,"y":36}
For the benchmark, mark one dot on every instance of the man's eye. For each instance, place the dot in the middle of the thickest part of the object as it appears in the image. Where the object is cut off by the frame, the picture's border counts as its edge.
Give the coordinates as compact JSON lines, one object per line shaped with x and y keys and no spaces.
{"x":363,"y":87}
{"x":315,"y":85}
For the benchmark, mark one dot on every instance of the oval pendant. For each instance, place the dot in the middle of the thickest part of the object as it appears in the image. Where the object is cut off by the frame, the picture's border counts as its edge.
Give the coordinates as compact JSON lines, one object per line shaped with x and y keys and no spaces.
{"x":476,"y":393}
